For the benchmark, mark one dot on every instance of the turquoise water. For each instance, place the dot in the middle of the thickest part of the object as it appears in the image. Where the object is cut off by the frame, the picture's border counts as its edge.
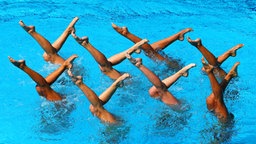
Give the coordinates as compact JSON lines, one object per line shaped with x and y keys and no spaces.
{"x":27,"y":118}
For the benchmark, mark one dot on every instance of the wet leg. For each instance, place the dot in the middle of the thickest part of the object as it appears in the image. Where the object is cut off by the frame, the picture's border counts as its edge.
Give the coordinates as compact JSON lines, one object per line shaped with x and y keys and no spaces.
{"x":231,"y":52}
{"x":231,"y":74}
{"x":44,"y":43}
{"x":34,"y":75}
{"x":42,"y":87}
{"x":145,"y":47}
{"x":63,"y":37}
{"x":118,"y":58}
{"x":216,"y":88}
{"x":67,"y":64}
{"x":98,"y":56}
{"x":96,"y":106}
{"x":159,"y":88}
{"x":162,"y":44}
{"x":107,"y":94}
{"x":205,"y":52}
{"x":89,"y":93}
{"x":152,"y":77}
{"x":183,"y":72}
{"x":173,"y":78}
{"x":215,"y":101}
{"x":209,"y":56}
{"x":105,"y":65}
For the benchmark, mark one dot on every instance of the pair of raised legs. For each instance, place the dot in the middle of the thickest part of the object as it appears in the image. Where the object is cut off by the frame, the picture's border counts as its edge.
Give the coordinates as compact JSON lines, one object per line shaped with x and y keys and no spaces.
{"x":43,"y":85}
{"x":152,"y":49}
{"x":97,"y":103}
{"x":160,"y":88}
{"x":106,"y":65}
{"x":215,"y":102}
{"x":215,"y":61}
{"x":51,"y":50}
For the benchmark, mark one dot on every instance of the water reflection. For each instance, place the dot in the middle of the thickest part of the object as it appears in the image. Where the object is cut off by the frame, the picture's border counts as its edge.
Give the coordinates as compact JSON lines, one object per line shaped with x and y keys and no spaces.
{"x":114,"y":134}
{"x":218,"y":133}
{"x":55,"y":117}
{"x":170,"y":122}
{"x":232,"y":91}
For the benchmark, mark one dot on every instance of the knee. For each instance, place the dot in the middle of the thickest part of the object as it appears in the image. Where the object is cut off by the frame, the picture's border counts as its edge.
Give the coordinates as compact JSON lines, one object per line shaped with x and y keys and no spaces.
{"x":101,"y":68}
{"x":46,"y":57}
{"x":105,"y":68}
{"x":153,"y":92}
{"x":39,"y":90}
{"x":91,"y":108}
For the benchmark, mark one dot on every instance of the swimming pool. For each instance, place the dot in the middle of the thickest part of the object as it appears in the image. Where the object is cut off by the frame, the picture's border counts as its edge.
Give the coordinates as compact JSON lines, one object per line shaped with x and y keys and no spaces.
{"x":27,"y":118}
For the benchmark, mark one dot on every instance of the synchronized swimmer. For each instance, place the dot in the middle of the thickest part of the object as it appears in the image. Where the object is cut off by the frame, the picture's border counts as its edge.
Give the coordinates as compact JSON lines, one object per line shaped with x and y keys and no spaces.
{"x":219,"y":79}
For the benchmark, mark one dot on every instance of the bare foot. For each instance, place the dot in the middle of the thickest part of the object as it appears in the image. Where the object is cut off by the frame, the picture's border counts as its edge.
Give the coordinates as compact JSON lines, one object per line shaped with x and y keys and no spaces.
{"x":183,"y":32}
{"x":196,"y":42}
{"x":124,"y":76}
{"x":234,"y":49}
{"x":70,"y":27}
{"x":135,"y":47}
{"x":121,"y":78}
{"x":137,"y":62}
{"x":184,"y":70}
{"x":233,"y":71}
{"x":20,"y":64}
{"x":83,"y":40}
{"x":121,"y":30}
{"x":28,"y":29}
{"x":78,"y":80}
{"x":206,"y":67}
{"x":68,"y":62}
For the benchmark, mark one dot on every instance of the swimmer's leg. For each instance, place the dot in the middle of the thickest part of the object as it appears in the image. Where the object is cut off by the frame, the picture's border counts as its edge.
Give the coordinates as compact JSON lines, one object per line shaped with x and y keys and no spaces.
{"x":208,"y":55}
{"x":231,"y":52}
{"x":43,"y":88}
{"x":118,"y":58}
{"x":215,"y":101}
{"x":152,"y":77}
{"x":107,"y":94}
{"x":173,"y":78}
{"x":159,"y":88}
{"x":89,"y":93}
{"x":67,"y":64}
{"x":34,"y":75}
{"x":211,"y":99}
{"x":100,"y":58}
{"x":205,"y":52}
{"x":216,"y":88}
{"x":231,"y":74}
{"x":97,"y":55}
{"x":162,"y":44}
{"x":63,"y":37}
{"x":135,"y":39}
{"x":44,"y":43}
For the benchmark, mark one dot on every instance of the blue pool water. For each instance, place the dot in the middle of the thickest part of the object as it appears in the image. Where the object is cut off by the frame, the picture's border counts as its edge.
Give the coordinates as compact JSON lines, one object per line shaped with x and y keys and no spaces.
{"x":221,"y":24}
